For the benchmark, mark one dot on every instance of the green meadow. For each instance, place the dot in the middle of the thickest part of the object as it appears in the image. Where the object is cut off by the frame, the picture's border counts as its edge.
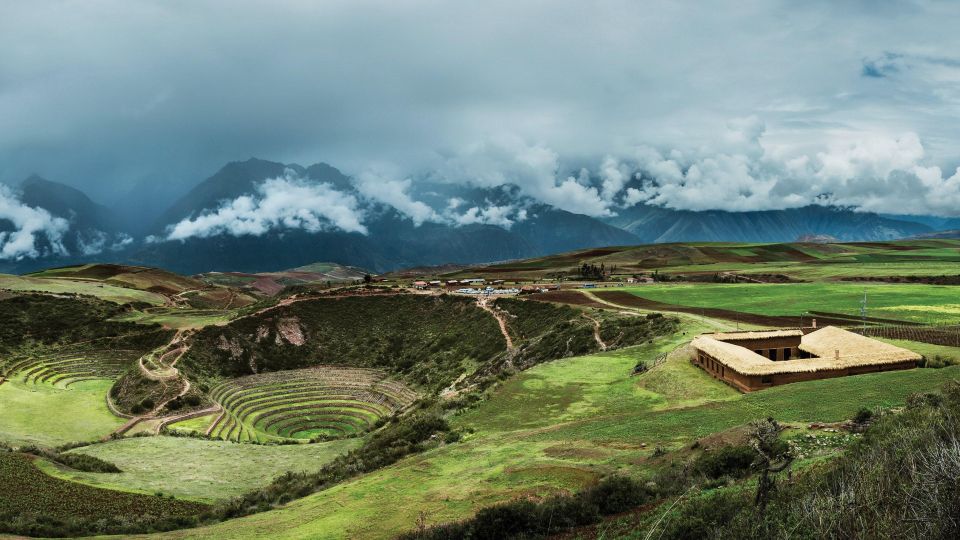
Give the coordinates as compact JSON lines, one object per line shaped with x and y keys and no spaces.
{"x":908,"y":302}
{"x":43,"y":415}
{"x":104,"y":291}
{"x":199,"y":469}
{"x":559,"y":427}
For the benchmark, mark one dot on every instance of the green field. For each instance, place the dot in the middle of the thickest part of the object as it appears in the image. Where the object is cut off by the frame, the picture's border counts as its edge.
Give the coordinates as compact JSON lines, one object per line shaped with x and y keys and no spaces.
{"x":558,"y":427}
{"x":808,"y":262}
{"x":908,"y":302}
{"x":41,"y":414}
{"x":178,"y":317}
{"x":112,"y":293}
{"x":200,"y":469}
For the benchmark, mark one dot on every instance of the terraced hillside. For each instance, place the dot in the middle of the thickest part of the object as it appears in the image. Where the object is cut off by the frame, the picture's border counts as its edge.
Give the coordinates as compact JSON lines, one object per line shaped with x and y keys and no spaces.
{"x":323,"y":401}
{"x":63,"y":367}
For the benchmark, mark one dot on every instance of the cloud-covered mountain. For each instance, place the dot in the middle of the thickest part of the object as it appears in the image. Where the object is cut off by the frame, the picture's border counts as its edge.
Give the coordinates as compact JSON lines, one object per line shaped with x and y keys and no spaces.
{"x":654,"y":225}
{"x":259,"y":215}
{"x":262,"y":215}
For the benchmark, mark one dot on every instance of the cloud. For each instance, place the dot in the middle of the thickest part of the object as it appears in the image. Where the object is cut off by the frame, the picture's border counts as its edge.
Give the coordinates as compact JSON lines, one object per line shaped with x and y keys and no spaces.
{"x":535,"y":168}
{"x":435,"y":96}
{"x":879,"y":173}
{"x":504,"y":216}
{"x":95,"y":242}
{"x":377,"y":186}
{"x":31,"y":226}
{"x":882,"y":66}
{"x":279,"y":203}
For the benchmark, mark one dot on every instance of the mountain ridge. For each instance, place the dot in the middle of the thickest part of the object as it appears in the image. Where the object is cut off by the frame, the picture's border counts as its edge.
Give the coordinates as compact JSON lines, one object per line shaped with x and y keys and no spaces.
{"x":393,"y":240}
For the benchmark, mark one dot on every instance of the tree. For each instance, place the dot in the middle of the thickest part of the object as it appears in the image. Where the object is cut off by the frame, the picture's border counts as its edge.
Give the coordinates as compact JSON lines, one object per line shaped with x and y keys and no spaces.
{"x":367,"y":278}
{"x":773,"y":456}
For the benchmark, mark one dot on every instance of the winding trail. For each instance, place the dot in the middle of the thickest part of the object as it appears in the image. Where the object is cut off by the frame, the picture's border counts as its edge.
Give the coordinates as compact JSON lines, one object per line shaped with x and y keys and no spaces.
{"x":596,"y":332}
{"x":711,"y":322}
{"x":501,"y":320}
{"x":164,"y":374}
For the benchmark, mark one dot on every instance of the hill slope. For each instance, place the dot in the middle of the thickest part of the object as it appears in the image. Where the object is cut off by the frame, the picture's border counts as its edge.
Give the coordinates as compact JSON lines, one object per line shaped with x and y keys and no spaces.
{"x":656,"y":225}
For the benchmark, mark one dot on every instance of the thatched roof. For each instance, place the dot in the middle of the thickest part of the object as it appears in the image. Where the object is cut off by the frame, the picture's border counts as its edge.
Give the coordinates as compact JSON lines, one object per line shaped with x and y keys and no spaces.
{"x":855,"y":351}
{"x":757,"y":334}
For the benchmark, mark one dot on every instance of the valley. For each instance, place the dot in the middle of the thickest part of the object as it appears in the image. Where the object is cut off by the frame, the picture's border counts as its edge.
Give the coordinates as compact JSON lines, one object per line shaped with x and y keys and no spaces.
{"x":373,"y":408}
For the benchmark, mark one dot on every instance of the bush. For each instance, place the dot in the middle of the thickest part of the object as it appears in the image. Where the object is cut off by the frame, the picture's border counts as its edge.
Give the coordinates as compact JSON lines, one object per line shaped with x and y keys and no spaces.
{"x":863,"y":416}
{"x":528,"y":519}
{"x":731,"y":461}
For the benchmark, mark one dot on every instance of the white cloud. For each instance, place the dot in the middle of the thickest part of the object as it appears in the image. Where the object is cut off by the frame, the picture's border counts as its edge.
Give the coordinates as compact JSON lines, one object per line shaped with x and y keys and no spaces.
{"x":30,"y":225}
{"x":378,"y":186}
{"x":508,"y":159}
{"x":502,"y":216}
{"x":875,"y":172}
{"x":279,"y":203}
{"x":91,"y":243}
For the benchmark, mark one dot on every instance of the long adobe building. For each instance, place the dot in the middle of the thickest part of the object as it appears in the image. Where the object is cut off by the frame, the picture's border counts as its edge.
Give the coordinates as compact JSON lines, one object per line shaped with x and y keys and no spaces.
{"x":755,"y":360}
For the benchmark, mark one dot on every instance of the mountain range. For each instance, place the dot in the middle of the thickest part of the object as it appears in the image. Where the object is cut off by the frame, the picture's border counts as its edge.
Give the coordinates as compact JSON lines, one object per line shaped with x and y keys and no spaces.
{"x":489,"y":224}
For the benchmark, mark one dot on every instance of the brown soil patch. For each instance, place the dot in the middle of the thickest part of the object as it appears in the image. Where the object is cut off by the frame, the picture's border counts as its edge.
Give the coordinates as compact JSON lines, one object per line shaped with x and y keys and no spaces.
{"x":629,"y":300}
{"x":562,"y":473}
{"x":566,"y":451}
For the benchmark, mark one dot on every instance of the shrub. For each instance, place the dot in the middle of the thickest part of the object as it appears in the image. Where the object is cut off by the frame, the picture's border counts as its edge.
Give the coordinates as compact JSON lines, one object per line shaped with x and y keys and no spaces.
{"x":863,"y":416}
{"x":528,"y":519}
{"x":732,"y":461}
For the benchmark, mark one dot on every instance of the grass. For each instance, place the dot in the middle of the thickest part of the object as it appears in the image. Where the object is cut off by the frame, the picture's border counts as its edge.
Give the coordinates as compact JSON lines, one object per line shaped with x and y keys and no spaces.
{"x":928,"y":350}
{"x":104,"y":291}
{"x":200,"y":469}
{"x":195,"y":425}
{"x":28,"y":492}
{"x":920,"y":303}
{"x":47,"y":416}
{"x":560,"y":426}
{"x":812,"y":262}
{"x":178,"y":318}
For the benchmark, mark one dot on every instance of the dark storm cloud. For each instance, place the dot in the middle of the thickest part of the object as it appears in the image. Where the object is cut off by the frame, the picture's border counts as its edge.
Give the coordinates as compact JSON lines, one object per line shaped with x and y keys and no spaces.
{"x":106,"y":94}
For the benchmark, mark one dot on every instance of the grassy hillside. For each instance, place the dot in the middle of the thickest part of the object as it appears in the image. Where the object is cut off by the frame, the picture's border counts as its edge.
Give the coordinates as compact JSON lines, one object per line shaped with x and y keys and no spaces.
{"x":200,"y":469}
{"x":31,"y":498}
{"x":411,"y":336}
{"x":802,"y":261}
{"x":907,"y":302}
{"x":428,"y":341}
{"x":558,"y":427}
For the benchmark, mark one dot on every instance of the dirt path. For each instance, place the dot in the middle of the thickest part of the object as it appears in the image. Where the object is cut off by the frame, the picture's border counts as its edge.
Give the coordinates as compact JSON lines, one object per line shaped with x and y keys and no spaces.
{"x":164,"y":374}
{"x":167,"y":420}
{"x":596,"y":332}
{"x":501,"y":320}
{"x":713,"y":323}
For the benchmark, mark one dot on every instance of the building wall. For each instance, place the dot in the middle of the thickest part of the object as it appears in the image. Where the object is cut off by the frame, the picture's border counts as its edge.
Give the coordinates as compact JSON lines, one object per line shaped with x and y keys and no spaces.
{"x":750,"y":383}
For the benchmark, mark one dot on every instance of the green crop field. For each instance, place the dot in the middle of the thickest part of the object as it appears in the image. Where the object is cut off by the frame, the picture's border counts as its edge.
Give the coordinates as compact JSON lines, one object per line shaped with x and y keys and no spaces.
{"x":112,"y":293}
{"x":42,"y":414}
{"x":908,"y":302}
{"x":560,"y":426}
{"x":200,"y":469}
{"x":809,"y":262}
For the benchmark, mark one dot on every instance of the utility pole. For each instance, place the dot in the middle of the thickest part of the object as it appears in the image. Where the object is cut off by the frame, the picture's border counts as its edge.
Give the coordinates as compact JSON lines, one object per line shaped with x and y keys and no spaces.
{"x":863,"y":311}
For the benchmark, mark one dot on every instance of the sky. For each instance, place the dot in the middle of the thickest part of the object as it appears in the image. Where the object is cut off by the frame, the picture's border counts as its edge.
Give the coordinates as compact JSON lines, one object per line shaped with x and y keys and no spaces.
{"x":591,"y":107}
